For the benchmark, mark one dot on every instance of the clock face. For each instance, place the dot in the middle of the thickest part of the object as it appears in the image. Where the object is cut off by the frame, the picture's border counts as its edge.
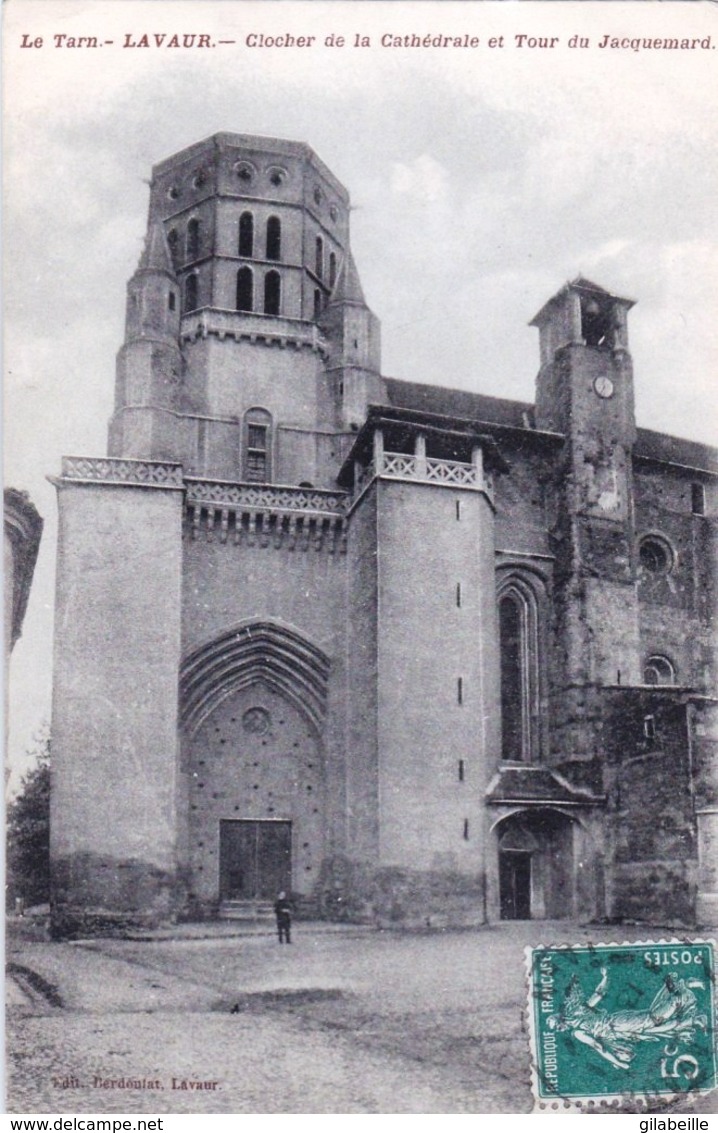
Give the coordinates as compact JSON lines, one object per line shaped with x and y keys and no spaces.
{"x":603,"y":386}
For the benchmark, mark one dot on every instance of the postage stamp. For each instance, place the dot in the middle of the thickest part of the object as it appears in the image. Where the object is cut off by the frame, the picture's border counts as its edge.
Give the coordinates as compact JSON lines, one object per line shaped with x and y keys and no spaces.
{"x":610,"y":1022}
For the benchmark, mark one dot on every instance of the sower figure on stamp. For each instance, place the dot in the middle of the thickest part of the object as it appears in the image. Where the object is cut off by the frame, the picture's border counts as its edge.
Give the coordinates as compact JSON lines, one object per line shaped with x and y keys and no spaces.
{"x":283,"y":913}
{"x":613,"y":1034}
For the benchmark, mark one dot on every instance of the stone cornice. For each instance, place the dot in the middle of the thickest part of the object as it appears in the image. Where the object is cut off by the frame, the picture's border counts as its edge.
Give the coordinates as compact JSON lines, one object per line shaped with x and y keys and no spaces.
{"x":272,"y":330}
{"x":266,"y":515}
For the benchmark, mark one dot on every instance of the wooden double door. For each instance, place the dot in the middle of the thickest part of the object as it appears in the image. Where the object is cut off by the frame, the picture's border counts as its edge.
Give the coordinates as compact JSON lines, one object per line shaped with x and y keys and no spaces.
{"x":255,"y":859}
{"x":515,"y":885}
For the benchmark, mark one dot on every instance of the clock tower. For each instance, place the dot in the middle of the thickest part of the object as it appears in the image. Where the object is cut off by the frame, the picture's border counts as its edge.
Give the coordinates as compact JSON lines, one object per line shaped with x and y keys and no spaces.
{"x":585,"y":393}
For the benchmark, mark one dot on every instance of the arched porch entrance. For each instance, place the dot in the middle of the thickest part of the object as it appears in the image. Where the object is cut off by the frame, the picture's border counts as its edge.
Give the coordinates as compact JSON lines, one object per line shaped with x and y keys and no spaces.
{"x":536,"y":865}
{"x":253,"y":709}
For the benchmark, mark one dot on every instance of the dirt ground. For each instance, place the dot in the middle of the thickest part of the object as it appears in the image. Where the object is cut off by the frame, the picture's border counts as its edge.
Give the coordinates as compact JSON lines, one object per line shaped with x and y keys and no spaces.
{"x":340,"y":1021}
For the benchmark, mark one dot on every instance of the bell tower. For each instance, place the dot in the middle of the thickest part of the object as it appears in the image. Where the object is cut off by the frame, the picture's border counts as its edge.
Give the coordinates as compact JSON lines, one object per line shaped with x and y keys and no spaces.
{"x":258,"y":320}
{"x":585,"y":392}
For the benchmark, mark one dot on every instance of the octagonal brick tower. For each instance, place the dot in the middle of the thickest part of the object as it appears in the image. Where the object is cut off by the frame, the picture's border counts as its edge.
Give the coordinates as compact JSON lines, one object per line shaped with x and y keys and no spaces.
{"x":244,"y":317}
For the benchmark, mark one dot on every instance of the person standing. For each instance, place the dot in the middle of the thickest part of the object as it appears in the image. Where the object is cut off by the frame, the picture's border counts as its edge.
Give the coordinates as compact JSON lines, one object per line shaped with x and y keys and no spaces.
{"x":283,"y":913}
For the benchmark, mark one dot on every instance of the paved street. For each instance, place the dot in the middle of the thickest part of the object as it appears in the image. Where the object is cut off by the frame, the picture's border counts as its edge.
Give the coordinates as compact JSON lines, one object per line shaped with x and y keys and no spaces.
{"x":349,"y":1021}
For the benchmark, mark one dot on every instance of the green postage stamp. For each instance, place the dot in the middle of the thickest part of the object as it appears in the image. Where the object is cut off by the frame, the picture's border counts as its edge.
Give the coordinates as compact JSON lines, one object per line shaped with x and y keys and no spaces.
{"x":612,"y":1022}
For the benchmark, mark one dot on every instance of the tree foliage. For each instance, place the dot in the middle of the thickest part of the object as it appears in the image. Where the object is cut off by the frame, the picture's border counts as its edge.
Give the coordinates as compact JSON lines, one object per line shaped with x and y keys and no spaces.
{"x":28,"y":832}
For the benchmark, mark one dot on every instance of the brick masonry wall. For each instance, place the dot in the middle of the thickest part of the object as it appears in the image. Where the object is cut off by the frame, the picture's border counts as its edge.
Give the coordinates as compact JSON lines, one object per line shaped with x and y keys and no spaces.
{"x":652,"y":862}
{"x":438,"y":674}
{"x":114,"y":727}
{"x":228,"y":586}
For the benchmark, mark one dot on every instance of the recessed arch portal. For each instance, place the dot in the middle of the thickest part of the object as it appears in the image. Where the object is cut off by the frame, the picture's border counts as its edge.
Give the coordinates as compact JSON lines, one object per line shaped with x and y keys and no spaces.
{"x":260,"y":651}
{"x":253,"y":702}
{"x":536,"y":864}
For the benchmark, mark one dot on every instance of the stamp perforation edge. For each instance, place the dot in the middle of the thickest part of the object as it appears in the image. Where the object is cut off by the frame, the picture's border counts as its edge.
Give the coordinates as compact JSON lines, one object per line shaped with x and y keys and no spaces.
{"x":612,"y":1102}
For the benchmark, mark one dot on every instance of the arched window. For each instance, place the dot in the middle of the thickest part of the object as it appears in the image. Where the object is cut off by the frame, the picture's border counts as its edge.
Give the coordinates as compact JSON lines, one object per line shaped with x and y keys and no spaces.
{"x":193,"y":240}
{"x":246,"y":234}
{"x":257,"y":445}
{"x":173,"y":245}
{"x":319,"y":257}
{"x":519,"y":648}
{"x":317,"y":303}
{"x":658,"y":671}
{"x":245,"y":289}
{"x":191,"y":288}
{"x":272,"y":293}
{"x":332,"y":269}
{"x":596,"y":323}
{"x":274,"y":238}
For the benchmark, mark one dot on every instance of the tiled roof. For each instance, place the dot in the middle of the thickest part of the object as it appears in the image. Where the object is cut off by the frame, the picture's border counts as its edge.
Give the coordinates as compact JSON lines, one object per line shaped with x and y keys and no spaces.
{"x":501,"y":412}
{"x":675,"y":450}
{"x":460,"y":403}
{"x":535,"y":784}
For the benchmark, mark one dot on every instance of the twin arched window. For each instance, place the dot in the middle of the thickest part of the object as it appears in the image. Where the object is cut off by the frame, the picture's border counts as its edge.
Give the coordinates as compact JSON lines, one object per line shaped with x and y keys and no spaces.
{"x":272,"y":291}
{"x":273,"y":238}
{"x":519,"y":649}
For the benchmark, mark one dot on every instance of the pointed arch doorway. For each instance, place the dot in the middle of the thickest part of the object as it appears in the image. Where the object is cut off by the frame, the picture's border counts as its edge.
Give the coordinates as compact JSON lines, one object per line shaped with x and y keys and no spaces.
{"x":257,"y":794}
{"x":536,"y":865}
{"x":253,"y":708}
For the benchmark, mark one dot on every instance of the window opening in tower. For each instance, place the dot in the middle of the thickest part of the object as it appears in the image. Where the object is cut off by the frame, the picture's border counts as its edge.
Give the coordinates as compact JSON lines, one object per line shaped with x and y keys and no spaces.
{"x":246,"y":234}
{"x":274,"y":238}
{"x":245,"y":289}
{"x":272,"y":293}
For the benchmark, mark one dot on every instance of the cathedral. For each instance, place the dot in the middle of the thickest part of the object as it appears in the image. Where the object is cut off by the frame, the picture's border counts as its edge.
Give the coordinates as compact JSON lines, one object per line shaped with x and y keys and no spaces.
{"x":416,"y":655}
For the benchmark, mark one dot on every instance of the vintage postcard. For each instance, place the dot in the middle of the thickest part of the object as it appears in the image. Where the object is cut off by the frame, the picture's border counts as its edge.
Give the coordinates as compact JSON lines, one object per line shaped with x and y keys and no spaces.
{"x":361,"y":579}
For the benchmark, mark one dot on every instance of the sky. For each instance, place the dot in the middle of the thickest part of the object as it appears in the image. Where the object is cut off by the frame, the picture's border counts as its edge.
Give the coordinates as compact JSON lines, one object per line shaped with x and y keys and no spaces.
{"x":481,"y":180}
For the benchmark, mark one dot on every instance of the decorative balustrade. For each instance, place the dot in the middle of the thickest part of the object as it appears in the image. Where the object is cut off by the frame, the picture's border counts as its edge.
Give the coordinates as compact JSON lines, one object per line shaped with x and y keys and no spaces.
{"x":427,"y":470}
{"x":113,"y":470}
{"x":267,"y":514}
{"x":273,"y":513}
{"x":265,"y":497}
{"x":453,"y":472}
{"x":399,"y":465}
